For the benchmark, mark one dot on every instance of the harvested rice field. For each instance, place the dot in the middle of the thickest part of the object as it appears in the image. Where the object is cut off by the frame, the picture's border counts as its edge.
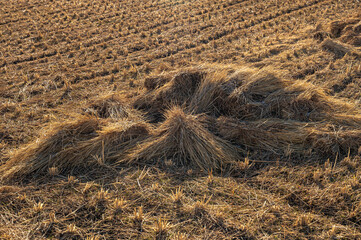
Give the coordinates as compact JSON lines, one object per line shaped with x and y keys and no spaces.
{"x":179,"y":120}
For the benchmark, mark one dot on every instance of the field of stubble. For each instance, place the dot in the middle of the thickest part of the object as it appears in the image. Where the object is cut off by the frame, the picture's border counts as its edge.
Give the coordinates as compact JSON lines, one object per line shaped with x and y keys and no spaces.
{"x":182,"y":119}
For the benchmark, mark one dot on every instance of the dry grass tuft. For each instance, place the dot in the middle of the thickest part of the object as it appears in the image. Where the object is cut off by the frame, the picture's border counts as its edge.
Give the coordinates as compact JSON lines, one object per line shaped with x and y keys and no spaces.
{"x":185,"y":140}
{"x":119,"y":204}
{"x":180,"y":236}
{"x":177,"y":195}
{"x":199,"y":208}
{"x":138,"y":218}
{"x":161,"y":229}
{"x":303,"y":220}
{"x":38,"y":207}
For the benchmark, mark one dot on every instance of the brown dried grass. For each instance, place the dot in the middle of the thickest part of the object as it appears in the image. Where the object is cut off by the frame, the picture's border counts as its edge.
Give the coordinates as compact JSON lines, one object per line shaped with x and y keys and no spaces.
{"x":348,"y":31}
{"x":246,"y":99}
{"x":331,"y":140}
{"x":336,"y":27}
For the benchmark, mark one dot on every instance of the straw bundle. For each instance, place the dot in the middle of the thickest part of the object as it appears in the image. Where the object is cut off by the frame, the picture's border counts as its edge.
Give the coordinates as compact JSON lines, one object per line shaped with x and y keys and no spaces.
{"x":256,"y":110}
{"x":273,"y":135}
{"x":38,"y":155}
{"x":337,"y":48}
{"x":247,"y":99}
{"x":109,"y":106}
{"x":278,"y":136}
{"x":75,"y":146}
{"x":183,"y":139}
{"x":177,"y":91}
{"x":331,"y":140}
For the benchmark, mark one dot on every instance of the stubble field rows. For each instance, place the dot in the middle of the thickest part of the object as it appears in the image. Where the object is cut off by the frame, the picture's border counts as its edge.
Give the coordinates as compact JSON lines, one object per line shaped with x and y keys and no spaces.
{"x":104,"y":68}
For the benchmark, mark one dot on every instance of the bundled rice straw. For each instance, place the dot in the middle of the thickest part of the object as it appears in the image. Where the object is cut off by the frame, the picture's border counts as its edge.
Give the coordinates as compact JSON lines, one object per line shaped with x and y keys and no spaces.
{"x":247,"y":99}
{"x":260,"y":109}
{"x":38,"y":155}
{"x":278,"y":136}
{"x":273,"y":135}
{"x":78,"y":145}
{"x":109,"y":106}
{"x":176,"y":91}
{"x":245,"y":94}
{"x":337,"y":48}
{"x":183,"y":139}
{"x":213,"y":107}
{"x":207,"y":96}
{"x":330,"y":140}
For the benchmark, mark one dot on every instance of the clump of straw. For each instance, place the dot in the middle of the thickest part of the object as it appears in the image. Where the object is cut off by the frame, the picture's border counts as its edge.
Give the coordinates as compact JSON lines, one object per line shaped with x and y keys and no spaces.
{"x":183,"y":139}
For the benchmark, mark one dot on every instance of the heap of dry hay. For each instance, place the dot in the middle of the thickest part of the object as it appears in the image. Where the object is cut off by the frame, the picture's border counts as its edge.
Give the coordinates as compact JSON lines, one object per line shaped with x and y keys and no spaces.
{"x":262,"y":110}
{"x":183,"y":139}
{"x":274,"y":135}
{"x":263,"y":94}
{"x":77,"y":146}
{"x":245,"y":93}
{"x":205,"y":117}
